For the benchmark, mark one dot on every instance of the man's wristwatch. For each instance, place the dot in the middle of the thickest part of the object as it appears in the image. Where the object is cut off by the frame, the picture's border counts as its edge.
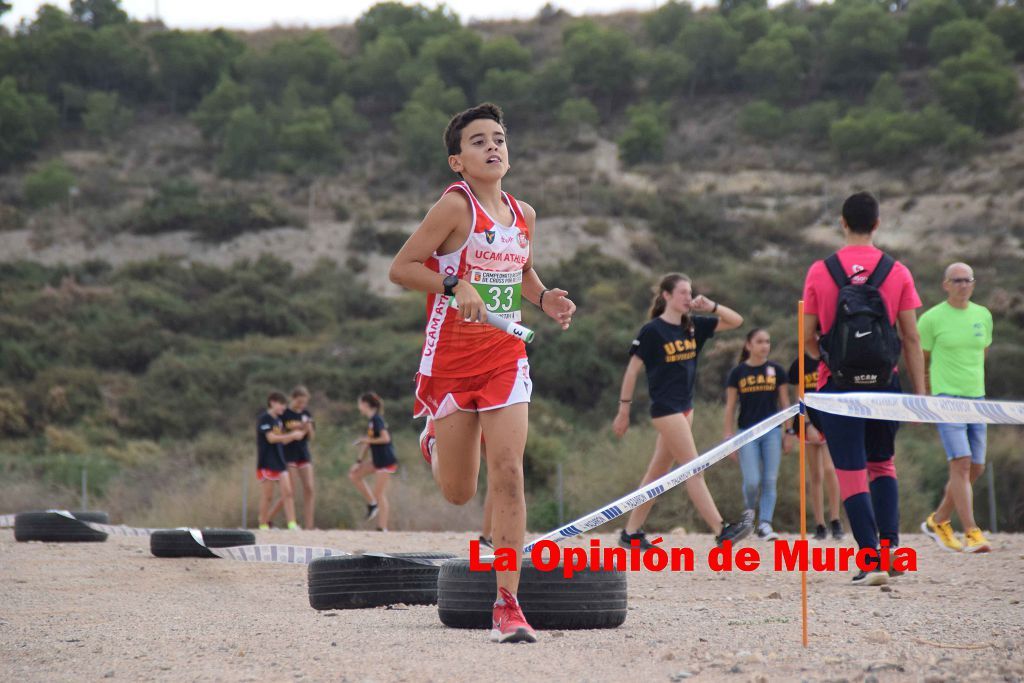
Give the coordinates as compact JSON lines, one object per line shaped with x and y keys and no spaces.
{"x":449,"y":284}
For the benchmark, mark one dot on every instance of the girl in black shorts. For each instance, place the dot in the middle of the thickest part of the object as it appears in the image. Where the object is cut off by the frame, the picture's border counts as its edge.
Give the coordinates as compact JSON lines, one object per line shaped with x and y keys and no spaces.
{"x":667,"y":347}
{"x":382,"y":463}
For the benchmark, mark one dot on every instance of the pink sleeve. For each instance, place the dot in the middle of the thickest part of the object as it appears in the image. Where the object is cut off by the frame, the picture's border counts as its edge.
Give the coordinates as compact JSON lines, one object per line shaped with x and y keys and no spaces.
{"x":909,"y":300}
{"x":810,"y":295}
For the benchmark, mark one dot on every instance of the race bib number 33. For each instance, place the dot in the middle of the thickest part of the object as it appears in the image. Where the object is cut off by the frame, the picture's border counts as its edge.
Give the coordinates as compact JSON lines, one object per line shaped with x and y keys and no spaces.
{"x":502,"y":292}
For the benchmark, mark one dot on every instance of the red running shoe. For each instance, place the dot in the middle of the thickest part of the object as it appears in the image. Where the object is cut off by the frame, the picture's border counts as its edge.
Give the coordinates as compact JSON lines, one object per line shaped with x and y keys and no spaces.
{"x":509,"y":623}
{"x":427,"y":439}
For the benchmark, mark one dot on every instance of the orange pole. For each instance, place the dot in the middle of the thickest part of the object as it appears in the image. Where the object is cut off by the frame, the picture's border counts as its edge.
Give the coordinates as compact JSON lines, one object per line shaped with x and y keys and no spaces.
{"x":803,"y":483}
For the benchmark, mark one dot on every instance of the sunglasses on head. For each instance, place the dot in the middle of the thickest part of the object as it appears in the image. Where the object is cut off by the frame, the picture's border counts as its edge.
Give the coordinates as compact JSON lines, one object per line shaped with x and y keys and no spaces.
{"x":961,"y":280}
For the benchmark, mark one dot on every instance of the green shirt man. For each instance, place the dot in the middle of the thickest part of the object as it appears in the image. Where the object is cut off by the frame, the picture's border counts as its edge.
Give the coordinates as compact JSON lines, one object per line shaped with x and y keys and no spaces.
{"x":956,"y":339}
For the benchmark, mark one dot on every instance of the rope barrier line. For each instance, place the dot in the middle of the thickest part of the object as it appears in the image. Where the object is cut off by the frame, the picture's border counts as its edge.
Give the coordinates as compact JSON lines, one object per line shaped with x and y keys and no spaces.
{"x":659,"y":486}
{"x":914,"y":408}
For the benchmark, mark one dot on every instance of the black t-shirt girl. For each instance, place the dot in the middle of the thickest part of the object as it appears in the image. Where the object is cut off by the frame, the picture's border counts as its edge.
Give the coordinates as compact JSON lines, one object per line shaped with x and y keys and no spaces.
{"x":758,"y":389}
{"x":384,"y":453}
{"x":296,"y":451}
{"x":269,"y":455}
{"x":669,"y":353}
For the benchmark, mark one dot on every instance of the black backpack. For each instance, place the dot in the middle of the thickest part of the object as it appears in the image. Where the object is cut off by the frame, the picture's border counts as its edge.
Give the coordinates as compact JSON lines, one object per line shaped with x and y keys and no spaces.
{"x":862,"y":348}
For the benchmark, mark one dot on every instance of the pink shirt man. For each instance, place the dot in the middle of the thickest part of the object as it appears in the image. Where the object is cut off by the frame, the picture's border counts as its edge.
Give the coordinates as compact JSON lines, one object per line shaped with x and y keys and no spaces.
{"x":821,"y":292}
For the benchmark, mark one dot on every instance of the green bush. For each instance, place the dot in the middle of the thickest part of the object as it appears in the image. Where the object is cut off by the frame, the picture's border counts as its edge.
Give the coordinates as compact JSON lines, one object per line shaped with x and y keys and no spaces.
{"x":762,"y":120}
{"x":979,"y":90}
{"x":26,"y":122}
{"x":644,"y":138}
{"x":883,"y":137}
{"x":49,"y":185}
{"x":104,"y":116}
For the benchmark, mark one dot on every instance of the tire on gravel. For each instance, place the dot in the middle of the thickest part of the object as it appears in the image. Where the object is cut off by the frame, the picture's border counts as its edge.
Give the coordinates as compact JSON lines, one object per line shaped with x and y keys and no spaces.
{"x":179,"y":542}
{"x":549,"y":600}
{"x":362,"y":581}
{"x":54,"y":528}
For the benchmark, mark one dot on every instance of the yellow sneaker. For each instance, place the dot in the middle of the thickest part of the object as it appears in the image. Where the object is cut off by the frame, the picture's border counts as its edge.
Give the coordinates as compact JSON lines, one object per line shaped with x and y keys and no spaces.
{"x":264,"y":527}
{"x":976,"y":541}
{"x":941,"y":533}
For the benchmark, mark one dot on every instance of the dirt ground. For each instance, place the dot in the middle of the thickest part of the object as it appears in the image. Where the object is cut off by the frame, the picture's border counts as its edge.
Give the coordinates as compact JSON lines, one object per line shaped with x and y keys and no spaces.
{"x":112,"y":611}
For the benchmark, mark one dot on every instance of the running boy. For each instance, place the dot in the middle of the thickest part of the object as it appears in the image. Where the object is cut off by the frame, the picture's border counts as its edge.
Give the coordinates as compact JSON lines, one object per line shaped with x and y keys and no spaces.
{"x":472,"y":254}
{"x":382,"y":460}
{"x":296,"y":454}
{"x":270,"y":465}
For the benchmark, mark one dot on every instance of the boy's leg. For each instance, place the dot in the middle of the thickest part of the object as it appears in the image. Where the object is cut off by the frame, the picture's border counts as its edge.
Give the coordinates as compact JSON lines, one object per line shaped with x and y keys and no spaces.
{"x":845,"y":437}
{"x":456,"y":461}
{"x":831,"y":482}
{"x":659,"y":466}
{"x":505,"y":430}
{"x":880,"y":446}
{"x":357,"y":475}
{"x":381,"y":482}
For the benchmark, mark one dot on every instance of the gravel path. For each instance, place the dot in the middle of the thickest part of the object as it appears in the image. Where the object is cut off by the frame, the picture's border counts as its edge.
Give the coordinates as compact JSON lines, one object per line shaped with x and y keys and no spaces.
{"x":112,"y":611}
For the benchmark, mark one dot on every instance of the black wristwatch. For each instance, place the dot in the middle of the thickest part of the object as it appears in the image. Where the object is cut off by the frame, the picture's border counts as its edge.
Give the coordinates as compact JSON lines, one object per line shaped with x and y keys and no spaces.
{"x":449,"y":284}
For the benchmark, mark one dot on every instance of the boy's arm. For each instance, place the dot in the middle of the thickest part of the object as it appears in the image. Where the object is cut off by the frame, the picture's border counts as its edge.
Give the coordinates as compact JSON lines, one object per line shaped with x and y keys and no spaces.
{"x":913,"y":356}
{"x":409,"y":269}
{"x":556,"y":303}
{"x":810,"y":336}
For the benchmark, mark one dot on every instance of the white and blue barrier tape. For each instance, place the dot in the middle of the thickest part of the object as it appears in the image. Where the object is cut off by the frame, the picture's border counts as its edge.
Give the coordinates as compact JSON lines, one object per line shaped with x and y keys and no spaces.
{"x":674,"y":478}
{"x":914,"y":408}
{"x":6,"y":521}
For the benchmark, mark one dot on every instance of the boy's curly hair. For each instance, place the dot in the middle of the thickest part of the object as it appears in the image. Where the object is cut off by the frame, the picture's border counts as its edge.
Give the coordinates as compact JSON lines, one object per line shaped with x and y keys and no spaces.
{"x":453,"y":132}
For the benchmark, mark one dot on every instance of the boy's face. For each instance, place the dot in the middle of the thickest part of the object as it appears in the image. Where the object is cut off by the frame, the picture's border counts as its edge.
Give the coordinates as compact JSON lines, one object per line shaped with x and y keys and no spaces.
{"x":299,"y":403}
{"x":276,"y":408}
{"x":484,"y":154}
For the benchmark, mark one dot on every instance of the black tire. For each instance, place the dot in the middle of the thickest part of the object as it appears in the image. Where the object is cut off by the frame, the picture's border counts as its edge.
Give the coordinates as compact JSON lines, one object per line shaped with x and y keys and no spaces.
{"x":179,"y":542}
{"x":361,"y":581}
{"x":549,"y":600}
{"x":54,"y":528}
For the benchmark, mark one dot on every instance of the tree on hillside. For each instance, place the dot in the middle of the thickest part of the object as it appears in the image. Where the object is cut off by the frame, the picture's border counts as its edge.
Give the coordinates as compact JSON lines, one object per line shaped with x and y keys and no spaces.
{"x":414,"y":24}
{"x":886,"y":95}
{"x":963,"y":35}
{"x":979,"y":90}
{"x":664,"y":24}
{"x":213,"y":113}
{"x":1007,"y":22}
{"x":26,"y":121}
{"x":504,"y":53}
{"x":925,"y":15}
{"x":248,"y":143}
{"x":375,"y":78}
{"x":104,"y":116}
{"x":419,"y":129}
{"x":773,"y":67}
{"x":510,"y":89}
{"x":98,"y":13}
{"x":576,"y":116}
{"x":311,"y":58}
{"x":644,"y":138}
{"x":601,"y":60}
{"x":667,"y":73}
{"x":753,"y":23}
{"x":456,"y":56}
{"x":49,"y":185}
{"x":189,"y":64}
{"x":712,"y":46}
{"x":861,"y":43}
{"x":433,"y":94}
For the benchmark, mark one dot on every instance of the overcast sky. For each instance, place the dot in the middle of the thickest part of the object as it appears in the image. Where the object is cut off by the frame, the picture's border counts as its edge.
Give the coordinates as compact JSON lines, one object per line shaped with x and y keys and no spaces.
{"x":254,"y":14}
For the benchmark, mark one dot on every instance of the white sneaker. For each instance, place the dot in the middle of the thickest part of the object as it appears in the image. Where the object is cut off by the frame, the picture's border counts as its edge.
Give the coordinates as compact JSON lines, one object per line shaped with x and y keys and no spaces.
{"x":766,"y":532}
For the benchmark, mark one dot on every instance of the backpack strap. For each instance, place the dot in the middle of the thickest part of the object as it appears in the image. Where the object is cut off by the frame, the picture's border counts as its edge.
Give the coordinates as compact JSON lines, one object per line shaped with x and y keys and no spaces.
{"x":835,"y":269}
{"x":882,"y":270}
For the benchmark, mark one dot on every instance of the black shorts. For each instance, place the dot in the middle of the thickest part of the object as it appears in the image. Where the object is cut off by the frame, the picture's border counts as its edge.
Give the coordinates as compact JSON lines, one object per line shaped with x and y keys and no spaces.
{"x":300,"y":458}
{"x":666,"y":408}
{"x":384,"y":462}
